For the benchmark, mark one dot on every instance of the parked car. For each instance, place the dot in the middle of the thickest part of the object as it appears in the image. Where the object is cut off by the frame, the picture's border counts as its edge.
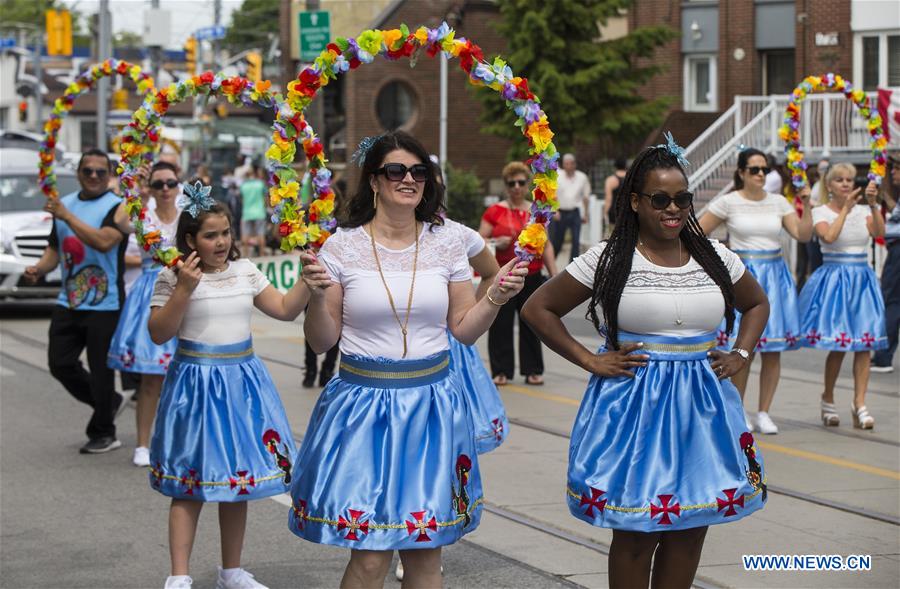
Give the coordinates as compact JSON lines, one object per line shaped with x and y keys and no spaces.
{"x":24,"y":226}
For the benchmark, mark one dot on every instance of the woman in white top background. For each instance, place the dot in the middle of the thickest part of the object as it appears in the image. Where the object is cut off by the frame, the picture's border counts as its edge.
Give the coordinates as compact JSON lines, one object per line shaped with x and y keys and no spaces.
{"x":389,"y":460}
{"x":754,"y":219}
{"x":841,"y":304}
{"x":659,"y":448}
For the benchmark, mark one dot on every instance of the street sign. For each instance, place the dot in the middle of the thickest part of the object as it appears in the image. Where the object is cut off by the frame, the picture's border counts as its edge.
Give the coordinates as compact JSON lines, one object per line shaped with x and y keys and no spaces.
{"x":7,"y":42}
{"x":315,"y":33}
{"x":210,"y":33}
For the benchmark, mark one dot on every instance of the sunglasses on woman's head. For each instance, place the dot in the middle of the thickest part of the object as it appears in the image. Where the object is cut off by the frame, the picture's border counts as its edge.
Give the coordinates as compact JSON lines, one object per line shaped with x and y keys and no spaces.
{"x":397,"y":172}
{"x":513,"y":183}
{"x":754,"y":170}
{"x":90,"y":172}
{"x":660,"y":202}
{"x":158,"y":184}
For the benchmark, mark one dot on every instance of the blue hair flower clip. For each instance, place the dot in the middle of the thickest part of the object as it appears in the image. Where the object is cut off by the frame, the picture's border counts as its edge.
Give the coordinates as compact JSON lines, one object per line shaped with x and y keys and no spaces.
{"x":359,"y":156}
{"x":674,"y":150}
{"x":196,"y":199}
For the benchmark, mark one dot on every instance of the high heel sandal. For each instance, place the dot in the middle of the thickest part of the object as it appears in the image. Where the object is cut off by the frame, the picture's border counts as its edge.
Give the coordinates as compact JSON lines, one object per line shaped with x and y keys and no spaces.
{"x":861,"y":418}
{"x":830,"y":417}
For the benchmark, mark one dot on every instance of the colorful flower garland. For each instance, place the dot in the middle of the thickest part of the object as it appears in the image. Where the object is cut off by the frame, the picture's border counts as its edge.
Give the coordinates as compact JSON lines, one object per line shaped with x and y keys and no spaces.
{"x":343,"y":55}
{"x":82,"y":84}
{"x":790,"y":129}
{"x":289,"y":127}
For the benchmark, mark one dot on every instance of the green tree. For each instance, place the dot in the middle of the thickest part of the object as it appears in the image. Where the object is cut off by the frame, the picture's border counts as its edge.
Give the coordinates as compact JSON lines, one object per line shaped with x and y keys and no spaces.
{"x":252,"y":25}
{"x":127,"y":39}
{"x":32,"y":12}
{"x":465,"y":199}
{"x":588,"y":86}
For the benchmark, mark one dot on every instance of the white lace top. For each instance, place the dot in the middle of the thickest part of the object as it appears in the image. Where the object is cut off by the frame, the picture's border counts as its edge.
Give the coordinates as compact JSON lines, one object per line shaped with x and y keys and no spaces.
{"x":369,"y":327}
{"x":854,"y":237}
{"x":220,"y":307}
{"x":752,"y":224}
{"x":656,"y":297}
{"x":471,"y":239}
{"x":169,"y":230}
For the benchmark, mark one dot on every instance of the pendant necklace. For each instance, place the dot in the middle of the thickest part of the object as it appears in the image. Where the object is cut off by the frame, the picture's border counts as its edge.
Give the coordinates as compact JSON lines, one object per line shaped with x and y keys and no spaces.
{"x":678,"y":320}
{"x":405,"y":323}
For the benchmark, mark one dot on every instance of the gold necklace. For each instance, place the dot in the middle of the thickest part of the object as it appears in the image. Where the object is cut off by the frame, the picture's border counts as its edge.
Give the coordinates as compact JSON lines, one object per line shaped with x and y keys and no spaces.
{"x":405,"y":323}
{"x":678,"y":320}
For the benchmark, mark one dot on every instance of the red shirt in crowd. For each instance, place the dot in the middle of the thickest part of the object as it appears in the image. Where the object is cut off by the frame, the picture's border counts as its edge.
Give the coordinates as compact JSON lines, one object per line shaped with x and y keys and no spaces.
{"x":509,"y":222}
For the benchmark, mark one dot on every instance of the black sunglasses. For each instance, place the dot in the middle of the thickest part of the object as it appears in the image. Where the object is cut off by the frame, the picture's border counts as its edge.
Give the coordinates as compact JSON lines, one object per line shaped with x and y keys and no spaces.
{"x":754,"y":170}
{"x":660,"y":202}
{"x":158,"y":184}
{"x":512,"y":183}
{"x":397,"y":172}
{"x":99,"y":172}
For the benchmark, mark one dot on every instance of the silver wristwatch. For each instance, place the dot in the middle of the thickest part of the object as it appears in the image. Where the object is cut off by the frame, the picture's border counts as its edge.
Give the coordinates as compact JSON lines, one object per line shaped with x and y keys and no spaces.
{"x":742,"y":352}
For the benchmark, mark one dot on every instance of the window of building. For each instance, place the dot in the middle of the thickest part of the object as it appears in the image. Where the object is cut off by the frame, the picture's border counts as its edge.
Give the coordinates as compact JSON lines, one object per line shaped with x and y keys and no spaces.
{"x":876,"y":60}
{"x":88,"y":134}
{"x":395,"y":105}
{"x":778,"y":71}
{"x":700,"y":83}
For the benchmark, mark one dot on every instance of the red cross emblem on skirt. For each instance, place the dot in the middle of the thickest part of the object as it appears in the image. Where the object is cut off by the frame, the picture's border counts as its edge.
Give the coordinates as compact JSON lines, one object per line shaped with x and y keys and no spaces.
{"x":300,"y":513}
{"x":353,"y":524}
{"x":843,"y":340}
{"x":242,"y":481}
{"x":730,"y":502}
{"x":498,"y":429}
{"x":813,"y":337}
{"x":867,"y":339}
{"x":421,"y":525}
{"x":593,"y":501}
{"x":190,"y":481}
{"x":665,"y":509}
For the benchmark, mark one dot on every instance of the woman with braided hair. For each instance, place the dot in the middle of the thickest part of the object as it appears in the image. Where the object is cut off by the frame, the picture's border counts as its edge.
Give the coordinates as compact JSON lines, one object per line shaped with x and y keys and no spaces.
{"x":659,"y":447}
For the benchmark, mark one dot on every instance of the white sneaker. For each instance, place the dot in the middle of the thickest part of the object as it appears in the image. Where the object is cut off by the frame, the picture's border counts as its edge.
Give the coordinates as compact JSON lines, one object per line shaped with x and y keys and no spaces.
{"x":398,"y":572}
{"x":179,"y":582}
{"x":141,"y":456}
{"x":881,"y":369}
{"x":764,"y":424}
{"x":748,"y":422}
{"x":237,"y":579}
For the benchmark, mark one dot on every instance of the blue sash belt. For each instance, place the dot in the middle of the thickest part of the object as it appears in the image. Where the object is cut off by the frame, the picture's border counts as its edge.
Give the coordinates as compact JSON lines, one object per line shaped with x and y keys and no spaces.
{"x":759,"y":255}
{"x":191,"y":352}
{"x":667,"y":348}
{"x":394,"y":374}
{"x":845,"y":259}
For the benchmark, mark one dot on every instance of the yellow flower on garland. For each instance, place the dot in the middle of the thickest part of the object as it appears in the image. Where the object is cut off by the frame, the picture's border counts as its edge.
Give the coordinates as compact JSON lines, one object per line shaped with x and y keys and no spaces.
{"x":370,"y":41}
{"x":322,"y":208}
{"x":288,"y":191}
{"x":546,"y":184}
{"x":422,"y":35}
{"x":795,"y":156}
{"x":540,"y":134}
{"x":533,"y":238}
{"x":391,"y":37}
{"x":878,"y":169}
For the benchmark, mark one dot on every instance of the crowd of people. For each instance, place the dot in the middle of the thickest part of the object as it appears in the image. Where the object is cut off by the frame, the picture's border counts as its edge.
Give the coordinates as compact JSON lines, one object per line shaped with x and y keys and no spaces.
{"x":398,"y":427}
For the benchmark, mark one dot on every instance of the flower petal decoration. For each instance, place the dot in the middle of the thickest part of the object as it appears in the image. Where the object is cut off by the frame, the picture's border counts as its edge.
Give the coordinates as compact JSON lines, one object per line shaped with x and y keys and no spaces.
{"x":496,"y":75}
{"x":789,"y":132}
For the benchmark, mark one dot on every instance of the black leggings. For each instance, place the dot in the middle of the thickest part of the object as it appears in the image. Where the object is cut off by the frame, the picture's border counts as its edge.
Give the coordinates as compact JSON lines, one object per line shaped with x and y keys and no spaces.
{"x":500,"y":336}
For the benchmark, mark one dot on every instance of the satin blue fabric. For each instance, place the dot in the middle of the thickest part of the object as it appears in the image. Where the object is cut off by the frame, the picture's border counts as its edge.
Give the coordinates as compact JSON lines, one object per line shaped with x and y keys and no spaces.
{"x":131,"y":349}
{"x":842,"y":306}
{"x":221,"y":431}
{"x":387,"y":468}
{"x":666,"y":450}
{"x":782,"y":332}
{"x":488,"y":413}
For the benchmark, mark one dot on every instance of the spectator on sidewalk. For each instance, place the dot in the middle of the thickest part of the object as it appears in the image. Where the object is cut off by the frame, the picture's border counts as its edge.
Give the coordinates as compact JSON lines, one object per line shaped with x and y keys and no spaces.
{"x":611,"y":192}
{"x":890,"y":275}
{"x":253,"y":210}
{"x":90,"y":249}
{"x":572,"y":189}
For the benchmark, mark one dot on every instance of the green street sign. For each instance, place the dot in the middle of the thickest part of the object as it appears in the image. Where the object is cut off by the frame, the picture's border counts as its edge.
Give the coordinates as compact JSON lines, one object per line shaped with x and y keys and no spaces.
{"x":315,"y":33}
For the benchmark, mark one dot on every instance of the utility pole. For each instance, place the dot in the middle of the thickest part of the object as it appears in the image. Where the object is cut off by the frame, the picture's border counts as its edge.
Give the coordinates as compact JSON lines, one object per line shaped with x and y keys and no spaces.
{"x":155,"y":52}
{"x":104,"y":51}
{"x":39,"y":74}
{"x":317,"y":107}
{"x":217,"y":20}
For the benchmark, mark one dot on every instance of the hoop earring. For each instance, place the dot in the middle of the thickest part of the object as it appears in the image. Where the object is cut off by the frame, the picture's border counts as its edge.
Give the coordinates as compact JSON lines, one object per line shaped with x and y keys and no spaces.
{"x":374,"y":199}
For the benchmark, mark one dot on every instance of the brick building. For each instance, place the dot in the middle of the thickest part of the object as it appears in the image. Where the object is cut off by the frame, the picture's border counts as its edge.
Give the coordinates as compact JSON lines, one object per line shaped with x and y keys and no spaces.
{"x":762,"y":47}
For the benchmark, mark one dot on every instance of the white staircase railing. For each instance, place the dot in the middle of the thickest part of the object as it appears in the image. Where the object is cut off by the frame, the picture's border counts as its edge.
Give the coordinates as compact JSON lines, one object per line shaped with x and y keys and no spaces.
{"x":829,"y":127}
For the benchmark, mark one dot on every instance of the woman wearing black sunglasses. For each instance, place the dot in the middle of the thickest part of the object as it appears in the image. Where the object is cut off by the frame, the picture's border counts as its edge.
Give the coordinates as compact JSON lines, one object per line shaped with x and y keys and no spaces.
{"x":755,"y":219}
{"x":131,"y":349}
{"x":502,"y":223}
{"x":659,"y":442}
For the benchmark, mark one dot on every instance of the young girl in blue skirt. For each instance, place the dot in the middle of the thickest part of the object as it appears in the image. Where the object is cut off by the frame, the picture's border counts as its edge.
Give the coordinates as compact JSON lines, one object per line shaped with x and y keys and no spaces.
{"x":659,"y":449}
{"x":221,"y":432}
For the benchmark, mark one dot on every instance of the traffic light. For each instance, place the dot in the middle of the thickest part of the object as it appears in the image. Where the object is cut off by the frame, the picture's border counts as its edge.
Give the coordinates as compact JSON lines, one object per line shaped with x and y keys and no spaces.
{"x":190,"y":55}
{"x":59,"y":32}
{"x":120,"y":99}
{"x":254,"y":66}
{"x":23,"y":111}
{"x":221,"y":110}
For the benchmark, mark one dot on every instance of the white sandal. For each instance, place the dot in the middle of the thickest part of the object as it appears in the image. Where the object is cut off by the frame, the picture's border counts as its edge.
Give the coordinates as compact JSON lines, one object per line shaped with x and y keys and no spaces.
{"x":830,"y":417}
{"x":861,"y":418}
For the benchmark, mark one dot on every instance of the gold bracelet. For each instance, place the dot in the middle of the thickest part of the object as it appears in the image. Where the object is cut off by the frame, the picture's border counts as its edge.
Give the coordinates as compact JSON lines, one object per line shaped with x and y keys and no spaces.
{"x":492,"y":301}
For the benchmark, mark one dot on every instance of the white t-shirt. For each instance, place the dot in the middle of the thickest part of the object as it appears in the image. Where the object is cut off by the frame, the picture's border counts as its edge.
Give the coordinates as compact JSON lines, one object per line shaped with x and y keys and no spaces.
{"x":752,"y":224}
{"x":774,"y":183}
{"x":854,"y":236}
{"x":369,"y":326}
{"x":471,"y":239}
{"x":132,"y":274}
{"x":570,"y":192}
{"x":220,"y":307}
{"x":656,"y":296}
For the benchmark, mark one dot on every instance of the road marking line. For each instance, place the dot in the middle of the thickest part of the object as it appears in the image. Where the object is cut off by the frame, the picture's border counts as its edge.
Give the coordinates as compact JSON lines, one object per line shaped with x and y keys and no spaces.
{"x":882,"y":472}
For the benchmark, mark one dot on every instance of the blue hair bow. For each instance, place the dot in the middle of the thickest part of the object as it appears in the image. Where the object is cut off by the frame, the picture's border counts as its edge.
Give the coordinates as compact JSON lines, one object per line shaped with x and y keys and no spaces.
{"x":359,"y":156}
{"x":196,"y":199}
{"x":674,"y":150}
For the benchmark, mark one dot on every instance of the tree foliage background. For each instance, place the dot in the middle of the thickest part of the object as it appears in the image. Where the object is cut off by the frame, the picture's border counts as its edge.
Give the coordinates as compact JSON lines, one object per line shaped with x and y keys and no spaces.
{"x":32,"y":12}
{"x":251,"y":25}
{"x":588,"y":86}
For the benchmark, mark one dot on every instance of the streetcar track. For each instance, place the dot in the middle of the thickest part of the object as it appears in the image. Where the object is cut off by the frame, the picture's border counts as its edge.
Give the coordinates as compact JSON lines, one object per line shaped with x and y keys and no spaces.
{"x":874,"y":515}
{"x":800,"y":496}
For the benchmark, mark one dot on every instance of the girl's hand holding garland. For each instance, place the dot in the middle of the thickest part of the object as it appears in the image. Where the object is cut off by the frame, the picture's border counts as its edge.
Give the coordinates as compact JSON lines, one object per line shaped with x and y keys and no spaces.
{"x":872,"y":193}
{"x":509,"y":282}
{"x":189,"y":273}
{"x":314,"y":275}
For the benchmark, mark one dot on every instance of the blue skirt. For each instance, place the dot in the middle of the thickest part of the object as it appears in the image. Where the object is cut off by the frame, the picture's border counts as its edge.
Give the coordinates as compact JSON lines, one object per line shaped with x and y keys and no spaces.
{"x":131,"y":349}
{"x":388,"y":461}
{"x":221,"y":432}
{"x":782,"y":332}
{"x":488,"y":413}
{"x":666,"y":450}
{"x":842,"y":306}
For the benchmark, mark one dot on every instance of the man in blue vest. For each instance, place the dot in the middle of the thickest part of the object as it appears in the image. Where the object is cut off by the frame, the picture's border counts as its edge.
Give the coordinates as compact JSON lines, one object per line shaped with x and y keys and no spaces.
{"x":90,"y":249}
